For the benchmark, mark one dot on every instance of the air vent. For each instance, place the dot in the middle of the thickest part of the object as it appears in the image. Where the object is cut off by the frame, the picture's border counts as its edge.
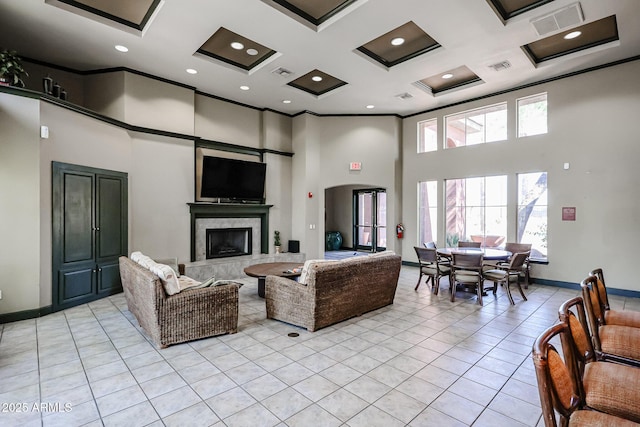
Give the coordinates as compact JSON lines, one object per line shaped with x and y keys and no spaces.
{"x":404,"y":96}
{"x":499,"y":66}
{"x":560,"y":19}
{"x":282,"y":72}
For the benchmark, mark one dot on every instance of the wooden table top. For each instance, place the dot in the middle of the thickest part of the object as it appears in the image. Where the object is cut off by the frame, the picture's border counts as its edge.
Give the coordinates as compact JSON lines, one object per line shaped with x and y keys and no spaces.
{"x":273,"y":269}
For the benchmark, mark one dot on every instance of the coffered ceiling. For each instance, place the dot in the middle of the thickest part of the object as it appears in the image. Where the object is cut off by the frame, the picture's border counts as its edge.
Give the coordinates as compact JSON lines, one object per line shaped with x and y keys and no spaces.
{"x":370,"y":56}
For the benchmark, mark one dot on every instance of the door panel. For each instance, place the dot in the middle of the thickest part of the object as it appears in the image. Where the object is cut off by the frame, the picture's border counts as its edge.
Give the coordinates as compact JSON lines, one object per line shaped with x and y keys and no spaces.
{"x":109,"y":278}
{"x":76,"y":284}
{"x":77,"y":217}
{"x":370,"y":219}
{"x":109,"y":218}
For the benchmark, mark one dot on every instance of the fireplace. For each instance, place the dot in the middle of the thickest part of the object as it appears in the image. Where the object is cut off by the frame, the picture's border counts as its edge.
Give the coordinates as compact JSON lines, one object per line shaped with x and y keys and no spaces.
{"x":228,"y":242}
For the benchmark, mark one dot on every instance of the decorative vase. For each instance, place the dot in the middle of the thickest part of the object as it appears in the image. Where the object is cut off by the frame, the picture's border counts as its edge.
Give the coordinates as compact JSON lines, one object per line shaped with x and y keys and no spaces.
{"x":47,"y":85}
{"x":333,"y":240}
{"x":56,"y":90}
{"x":277,"y":249}
{"x":5,"y":81}
{"x":63,"y":95}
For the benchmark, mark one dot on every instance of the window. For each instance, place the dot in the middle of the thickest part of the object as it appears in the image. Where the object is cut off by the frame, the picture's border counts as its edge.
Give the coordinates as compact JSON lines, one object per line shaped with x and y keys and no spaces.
{"x":487,"y":124}
{"x":427,"y":136}
{"x":476,"y":210}
{"x":532,"y":115}
{"x":427,"y":212}
{"x":532,"y":212}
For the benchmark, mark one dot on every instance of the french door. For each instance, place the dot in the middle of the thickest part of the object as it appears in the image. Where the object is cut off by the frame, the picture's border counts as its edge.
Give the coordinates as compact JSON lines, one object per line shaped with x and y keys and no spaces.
{"x":370,"y":219}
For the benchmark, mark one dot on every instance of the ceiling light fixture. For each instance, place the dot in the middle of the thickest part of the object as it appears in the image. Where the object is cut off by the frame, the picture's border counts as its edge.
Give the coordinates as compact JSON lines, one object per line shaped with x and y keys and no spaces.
{"x":447,"y":76}
{"x":237,"y":45}
{"x":286,"y":101}
{"x":244,"y":87}
{"x":121,"y":48}
{"x":191,"y":71}
{"x":572,"y":35}
{"x":316,"y":78}
{"x":397,"y":41}
{"x":252,"y":52}
{"x":371,"y":106}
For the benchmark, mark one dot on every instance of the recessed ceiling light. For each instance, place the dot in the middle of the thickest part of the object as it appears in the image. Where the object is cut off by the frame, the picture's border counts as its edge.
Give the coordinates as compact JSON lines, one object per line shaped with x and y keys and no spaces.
{"x":371,"y":106}
{"x":447,"y":76}
{"x":397,"y":41}
{"x":192,"y":71}
{"x":286,"y":101}
{"x":237,"y":45}
{"x":244,"y":87}
{"x":121,"y":48}
{"x":572,"y":35}
{"x":252,"y":52}
{"x":316,"y":78}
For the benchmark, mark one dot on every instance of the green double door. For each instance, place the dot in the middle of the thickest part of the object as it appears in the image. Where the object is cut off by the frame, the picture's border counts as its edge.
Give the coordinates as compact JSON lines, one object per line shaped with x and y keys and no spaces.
{"x":89,"y":233}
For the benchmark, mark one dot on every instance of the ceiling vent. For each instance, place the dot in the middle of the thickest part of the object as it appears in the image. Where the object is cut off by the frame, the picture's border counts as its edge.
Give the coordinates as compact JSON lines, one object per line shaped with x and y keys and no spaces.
{"x":404,"y":96}
{"x":560,"y":19}
{"x":282,"y":72}
{"x":499,"y":66}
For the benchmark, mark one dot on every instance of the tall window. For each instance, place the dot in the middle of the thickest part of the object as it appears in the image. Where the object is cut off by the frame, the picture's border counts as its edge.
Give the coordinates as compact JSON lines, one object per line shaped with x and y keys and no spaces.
{"x":532,"y":212}
{"x":532,"y":115}
{"x":427,"y":212}
{"x":476,"y":210}
{"x":488,"y":124}
{"x":427,"y":136}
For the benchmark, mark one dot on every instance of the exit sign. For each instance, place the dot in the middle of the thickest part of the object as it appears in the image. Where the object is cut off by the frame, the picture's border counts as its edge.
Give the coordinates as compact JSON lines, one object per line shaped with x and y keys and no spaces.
{"x":355,"y":166}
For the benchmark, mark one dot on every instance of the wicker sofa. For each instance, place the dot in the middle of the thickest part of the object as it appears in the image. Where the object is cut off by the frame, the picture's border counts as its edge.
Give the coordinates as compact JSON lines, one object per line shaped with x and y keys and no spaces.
{"x":189,"y":315}
{"x":334,"y":291}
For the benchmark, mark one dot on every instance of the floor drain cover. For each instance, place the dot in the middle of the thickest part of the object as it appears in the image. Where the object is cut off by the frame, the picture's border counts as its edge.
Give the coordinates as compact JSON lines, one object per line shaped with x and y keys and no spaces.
{"x":293,"y":334}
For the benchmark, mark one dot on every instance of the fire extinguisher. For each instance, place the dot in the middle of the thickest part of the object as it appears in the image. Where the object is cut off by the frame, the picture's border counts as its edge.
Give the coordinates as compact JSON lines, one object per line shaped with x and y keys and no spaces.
{"x":400,"y":231}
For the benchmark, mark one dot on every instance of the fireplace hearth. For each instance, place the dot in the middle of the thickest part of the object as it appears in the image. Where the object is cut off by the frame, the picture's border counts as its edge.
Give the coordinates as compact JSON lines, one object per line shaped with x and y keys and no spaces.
{"x":228,"y":242}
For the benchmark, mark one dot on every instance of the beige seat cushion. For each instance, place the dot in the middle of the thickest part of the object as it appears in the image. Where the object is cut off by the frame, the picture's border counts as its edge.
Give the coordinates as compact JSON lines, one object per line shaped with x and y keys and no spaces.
{"x":620,"y":340}
{"x":622,"y":318}
{"x":597,"y":419}
{"x":613,"y":388}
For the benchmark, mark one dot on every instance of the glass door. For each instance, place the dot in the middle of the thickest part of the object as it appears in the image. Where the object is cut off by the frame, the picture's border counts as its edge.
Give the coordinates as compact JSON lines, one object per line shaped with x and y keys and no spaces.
{"x":370,"y":220}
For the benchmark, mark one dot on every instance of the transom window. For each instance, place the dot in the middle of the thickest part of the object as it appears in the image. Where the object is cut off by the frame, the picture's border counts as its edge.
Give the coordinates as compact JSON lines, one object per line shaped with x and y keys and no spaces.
{"x":532,"y":115}
{"x":427,"y":136}
{"x":488,"y":124}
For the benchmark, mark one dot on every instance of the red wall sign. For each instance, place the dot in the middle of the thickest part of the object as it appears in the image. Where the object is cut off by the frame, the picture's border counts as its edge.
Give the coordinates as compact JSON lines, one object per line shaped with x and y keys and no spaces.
{"x":569,"y":214}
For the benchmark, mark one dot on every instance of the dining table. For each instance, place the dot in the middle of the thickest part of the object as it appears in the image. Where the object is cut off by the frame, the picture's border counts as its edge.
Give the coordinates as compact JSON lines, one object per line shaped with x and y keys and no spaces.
{"x":490,"y":254}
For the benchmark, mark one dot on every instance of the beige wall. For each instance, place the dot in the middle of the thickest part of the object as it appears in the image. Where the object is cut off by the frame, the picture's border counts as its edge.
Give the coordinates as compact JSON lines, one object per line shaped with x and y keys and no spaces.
{"x":20,"y":204}
{"x":324,"y":147}
{"x":221,"y":121}
{"x":105,"y":94}
{"x":591,"y":122}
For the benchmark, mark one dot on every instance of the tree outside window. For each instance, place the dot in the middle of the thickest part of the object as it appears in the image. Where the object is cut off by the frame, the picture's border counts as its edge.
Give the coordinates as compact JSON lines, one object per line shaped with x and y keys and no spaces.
{"x":532,"y":212}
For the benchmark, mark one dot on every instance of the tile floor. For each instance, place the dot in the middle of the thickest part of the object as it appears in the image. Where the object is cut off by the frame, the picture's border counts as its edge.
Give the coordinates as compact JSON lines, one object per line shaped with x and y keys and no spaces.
{"x":423,"y":361}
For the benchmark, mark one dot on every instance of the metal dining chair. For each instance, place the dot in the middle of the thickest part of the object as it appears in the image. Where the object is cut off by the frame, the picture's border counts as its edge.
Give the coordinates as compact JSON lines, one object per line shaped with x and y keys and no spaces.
{"x":466,"y":269}
{"x":430,"y":267}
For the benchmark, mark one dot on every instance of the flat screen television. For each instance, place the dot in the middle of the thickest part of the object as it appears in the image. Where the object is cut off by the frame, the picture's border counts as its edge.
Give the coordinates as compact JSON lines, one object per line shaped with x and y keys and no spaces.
{"x":232,"y":179}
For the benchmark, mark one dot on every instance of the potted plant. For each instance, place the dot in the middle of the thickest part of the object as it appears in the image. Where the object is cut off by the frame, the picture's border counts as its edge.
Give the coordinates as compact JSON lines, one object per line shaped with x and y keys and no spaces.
{"x":276,"y":241}
{"x":11,"y":71}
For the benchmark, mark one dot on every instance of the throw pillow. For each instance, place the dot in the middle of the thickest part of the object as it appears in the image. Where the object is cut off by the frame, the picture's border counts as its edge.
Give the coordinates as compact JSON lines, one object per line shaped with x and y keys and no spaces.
{"x":308,"y":265}
{"x":226,"y":282}
{"x":171,"y":262}
{"x":167,"y":277}
{"x":382,"y":254}
{"x":135,"y":256}
{"x":186,"y":282}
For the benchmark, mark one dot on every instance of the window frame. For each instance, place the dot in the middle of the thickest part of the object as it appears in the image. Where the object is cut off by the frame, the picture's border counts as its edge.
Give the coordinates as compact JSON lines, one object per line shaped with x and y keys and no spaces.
{"x":466,"y":113}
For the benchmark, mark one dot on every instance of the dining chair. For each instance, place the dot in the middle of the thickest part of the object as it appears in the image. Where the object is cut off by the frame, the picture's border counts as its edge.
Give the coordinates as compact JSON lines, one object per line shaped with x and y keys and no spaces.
{"x":469,"y":244}
{"x":608,"y":316}
{"x":506,"y":274}
{"x":604,"y":386}
{"x":430,"y":245}
{"x":611,"y":342}
{"x":514,"y":248}
{"x":558,"y":388}
{"x":430,"y":267}
{"x":466,"y":269}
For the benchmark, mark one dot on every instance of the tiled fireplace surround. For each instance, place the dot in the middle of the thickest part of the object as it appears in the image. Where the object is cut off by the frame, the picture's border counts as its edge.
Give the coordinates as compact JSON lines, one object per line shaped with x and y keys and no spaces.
{"x":219,"y":215}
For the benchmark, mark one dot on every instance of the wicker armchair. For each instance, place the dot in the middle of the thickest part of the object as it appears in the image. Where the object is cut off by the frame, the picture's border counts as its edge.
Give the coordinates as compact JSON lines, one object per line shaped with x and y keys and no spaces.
{"x":189,"y":315}
{"x":611,"y":342}
{"x":607,"y":387}
{"x":558,"y":388}
{"x":606,"y":316}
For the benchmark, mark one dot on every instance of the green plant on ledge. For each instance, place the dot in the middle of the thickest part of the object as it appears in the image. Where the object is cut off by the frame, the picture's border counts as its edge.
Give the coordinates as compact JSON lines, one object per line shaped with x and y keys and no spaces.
{"x":276,"y":241}
{"x":11,"y":70}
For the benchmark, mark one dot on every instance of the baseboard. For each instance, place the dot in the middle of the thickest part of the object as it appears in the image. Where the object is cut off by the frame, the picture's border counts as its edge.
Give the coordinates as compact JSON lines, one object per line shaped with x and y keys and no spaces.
{"x":25,"y":314}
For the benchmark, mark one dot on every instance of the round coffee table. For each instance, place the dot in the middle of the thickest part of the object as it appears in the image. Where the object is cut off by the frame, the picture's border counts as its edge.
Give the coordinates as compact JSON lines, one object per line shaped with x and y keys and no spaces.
{"x":261,"y":271}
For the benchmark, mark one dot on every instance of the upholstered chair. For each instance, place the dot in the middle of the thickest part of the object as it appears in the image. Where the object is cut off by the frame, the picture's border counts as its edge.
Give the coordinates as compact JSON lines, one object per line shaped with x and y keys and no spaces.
{"x":508,"y":274}
{"x":430,"y":267}
{"x":606,"y":315}
{"x":466,"y":269}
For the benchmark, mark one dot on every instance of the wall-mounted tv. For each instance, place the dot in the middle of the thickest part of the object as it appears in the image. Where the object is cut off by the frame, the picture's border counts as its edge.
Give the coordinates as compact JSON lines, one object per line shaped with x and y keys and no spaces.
{"x":232,"y":179}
